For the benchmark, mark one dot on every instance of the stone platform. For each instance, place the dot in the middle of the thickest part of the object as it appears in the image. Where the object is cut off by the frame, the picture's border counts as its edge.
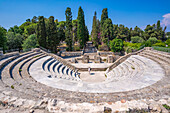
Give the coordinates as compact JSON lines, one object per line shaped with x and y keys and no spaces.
{"x":133,"y":78}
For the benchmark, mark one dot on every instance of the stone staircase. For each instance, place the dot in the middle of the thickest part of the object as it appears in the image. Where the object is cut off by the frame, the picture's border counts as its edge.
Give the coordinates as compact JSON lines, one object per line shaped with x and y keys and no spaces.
{"x":38,"y":80}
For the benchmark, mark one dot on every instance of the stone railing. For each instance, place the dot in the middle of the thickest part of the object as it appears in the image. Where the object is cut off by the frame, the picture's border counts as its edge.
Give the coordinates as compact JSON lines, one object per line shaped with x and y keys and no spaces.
{"x":78,"y":53}
{"x":104,"y":53}
{"x":64,"y":62}
{"x":122,"y":59}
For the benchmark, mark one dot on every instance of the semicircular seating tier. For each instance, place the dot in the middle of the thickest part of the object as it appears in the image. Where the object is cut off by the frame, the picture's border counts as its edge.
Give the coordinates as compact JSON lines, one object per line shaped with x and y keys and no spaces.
{"x":35,"y":75}
{"x":136,"y":72}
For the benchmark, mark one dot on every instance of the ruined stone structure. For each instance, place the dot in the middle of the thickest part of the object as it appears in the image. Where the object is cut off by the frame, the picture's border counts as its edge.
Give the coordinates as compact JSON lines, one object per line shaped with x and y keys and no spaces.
{"x":97,"y":59}
{"x":38,"y":81}
{"x":85,"y":59}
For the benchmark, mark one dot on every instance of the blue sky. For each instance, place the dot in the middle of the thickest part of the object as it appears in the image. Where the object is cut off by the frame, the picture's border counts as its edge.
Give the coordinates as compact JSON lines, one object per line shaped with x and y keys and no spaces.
{"x":127,"y":12}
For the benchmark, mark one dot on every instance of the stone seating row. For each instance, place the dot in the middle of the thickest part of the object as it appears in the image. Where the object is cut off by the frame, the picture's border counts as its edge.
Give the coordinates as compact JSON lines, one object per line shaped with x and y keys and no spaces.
{"x":56,"y":69}
{"x":133,"y":67}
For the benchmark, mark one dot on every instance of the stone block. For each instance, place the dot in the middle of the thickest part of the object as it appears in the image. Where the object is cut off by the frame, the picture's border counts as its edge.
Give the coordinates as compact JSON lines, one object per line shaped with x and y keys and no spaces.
{"x":74,"y":60}
{"x":85,"y":59}
{"x":148,"y":48}
{"x":110,"y":59}
{"x":97,"y":59}
{"x":36,"y":50}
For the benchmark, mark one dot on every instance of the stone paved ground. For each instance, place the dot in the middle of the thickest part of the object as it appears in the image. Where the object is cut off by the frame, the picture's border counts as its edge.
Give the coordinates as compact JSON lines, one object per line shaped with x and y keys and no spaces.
{"x":93,"y":77}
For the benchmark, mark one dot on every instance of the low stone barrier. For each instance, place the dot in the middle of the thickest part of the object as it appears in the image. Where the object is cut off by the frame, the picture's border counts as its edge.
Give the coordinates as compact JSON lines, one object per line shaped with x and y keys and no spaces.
{"x":122,"y":59}
{"x":110,"y":59}
{"x":104,"y":53}
{"x":60,"y":60}
{"x":78,"y":53}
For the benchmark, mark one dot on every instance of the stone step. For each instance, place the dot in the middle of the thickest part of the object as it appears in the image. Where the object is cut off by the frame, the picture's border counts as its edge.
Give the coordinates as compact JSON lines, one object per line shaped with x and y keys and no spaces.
{"x":6,"y":75}
{"x":44,"y":64}
{"x":49,"y":65}
{"x":163,"y":54}
{"x":157,"y":56}
{"x":14,"y":73}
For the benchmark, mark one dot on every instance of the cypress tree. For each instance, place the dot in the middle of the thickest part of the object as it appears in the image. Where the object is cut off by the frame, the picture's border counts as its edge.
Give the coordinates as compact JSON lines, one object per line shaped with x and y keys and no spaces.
{"x":86,"y":34}
{"x":75,"y":30}
{"x":52,"y":39}
{"x":94,"y":33}
{"x":107,"y":31}
{"x":68,"y":31}
{"x":41,"y":32}
{"x":81,"y":30}
{"x":104,"y":16}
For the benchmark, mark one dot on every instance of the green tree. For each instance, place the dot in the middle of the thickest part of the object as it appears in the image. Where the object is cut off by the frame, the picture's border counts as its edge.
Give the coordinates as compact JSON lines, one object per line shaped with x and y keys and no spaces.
{"x":107,"y":31}
{"x":34,"y":19}
{"x":15,"y":29}
{"x":86,"y":34}
{"x":52,"y":39}
{"x":116,"y":45}
{"x":22,"y":27}
{"x":68,"y":31}
{"x":30,"y":29}
{"x":81,"y":29}
{"x":137,"y":39}
{"x":3,"y":39}
{"x":94,"y":32}
{"x":61,"y":26}
{"x":30,"y":42}
{"x":104,"y":16}
{"x":41,"y":32}
{"x":75,"y":38}
{"x":152,"y":40}
{"x":14,"y":41}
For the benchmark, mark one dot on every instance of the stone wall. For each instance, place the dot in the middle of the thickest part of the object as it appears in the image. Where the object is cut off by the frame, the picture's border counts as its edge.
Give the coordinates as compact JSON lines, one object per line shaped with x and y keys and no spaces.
{"x":103,"y":53}
{"x":78,"y":53}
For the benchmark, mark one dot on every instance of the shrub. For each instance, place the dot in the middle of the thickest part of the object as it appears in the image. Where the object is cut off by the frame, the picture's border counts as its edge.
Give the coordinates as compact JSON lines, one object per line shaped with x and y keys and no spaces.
{"x":152,"y":40}
{"x":136,"y":39}
{"x":167,"y":42}
{"x":159,"y":44}
{"x":30,"y":42}
{"x":12,"y":86}
{"x":103,"y":47}
{"x":116,"y":45}
{"x":164,"y":49}
{"x":130,"y":47}
{"x":76,"y":48}
{"x":166,"y":106}
{"x":147,"y":44}
{"x":20,"y":70}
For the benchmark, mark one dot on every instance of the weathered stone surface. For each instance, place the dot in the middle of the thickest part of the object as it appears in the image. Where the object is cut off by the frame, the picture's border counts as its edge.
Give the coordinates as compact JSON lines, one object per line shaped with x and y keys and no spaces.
{"x":97,"y":59}
{"x":110,"y":59}
{"x":1,"y":53}
{"x":36,"y":50}
{"x":85,"y":59}
{"x":74,"y":60}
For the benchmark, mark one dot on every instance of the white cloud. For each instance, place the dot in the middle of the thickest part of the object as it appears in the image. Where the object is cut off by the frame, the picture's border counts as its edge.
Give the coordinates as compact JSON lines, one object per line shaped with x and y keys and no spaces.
{"x":166,"y":20}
